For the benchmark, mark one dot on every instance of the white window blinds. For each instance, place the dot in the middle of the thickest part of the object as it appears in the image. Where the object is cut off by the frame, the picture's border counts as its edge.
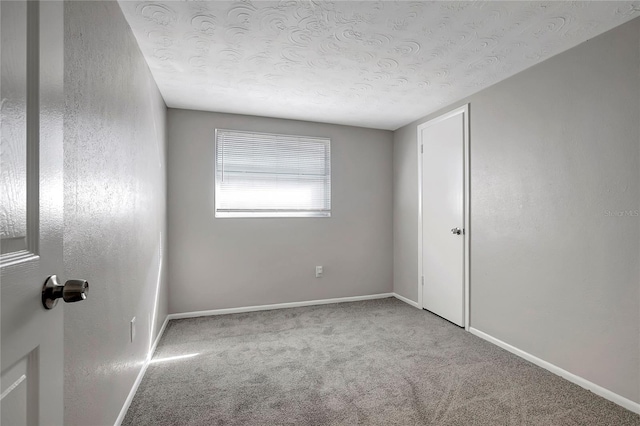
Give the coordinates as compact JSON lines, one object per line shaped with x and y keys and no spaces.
{"x":269,"y":175}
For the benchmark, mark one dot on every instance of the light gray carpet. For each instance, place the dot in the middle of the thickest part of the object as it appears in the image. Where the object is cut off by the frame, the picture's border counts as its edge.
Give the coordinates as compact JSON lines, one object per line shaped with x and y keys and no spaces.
{"x":378,"y":362}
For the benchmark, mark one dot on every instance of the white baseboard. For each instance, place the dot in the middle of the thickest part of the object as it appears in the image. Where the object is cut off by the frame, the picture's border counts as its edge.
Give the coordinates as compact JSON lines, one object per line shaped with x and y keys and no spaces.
{"x":157,"y":340}
{"x":277,"y":306}
{"x":134,"y":388}
{"x":405,"y":300}
{"x":597,"y":389}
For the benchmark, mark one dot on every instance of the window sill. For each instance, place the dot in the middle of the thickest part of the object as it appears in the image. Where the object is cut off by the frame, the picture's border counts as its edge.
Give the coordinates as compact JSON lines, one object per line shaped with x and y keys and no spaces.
{"x":251,"y":215}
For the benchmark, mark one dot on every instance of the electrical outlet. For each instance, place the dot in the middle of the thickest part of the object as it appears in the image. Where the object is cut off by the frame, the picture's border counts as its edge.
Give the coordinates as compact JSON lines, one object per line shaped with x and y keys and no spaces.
{"x":132,"y":329}
{"x":319,"y":271}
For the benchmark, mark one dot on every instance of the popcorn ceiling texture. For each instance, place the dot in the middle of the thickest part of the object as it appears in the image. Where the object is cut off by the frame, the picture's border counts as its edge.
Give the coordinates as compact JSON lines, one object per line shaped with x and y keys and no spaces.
{"x":370,"y":64}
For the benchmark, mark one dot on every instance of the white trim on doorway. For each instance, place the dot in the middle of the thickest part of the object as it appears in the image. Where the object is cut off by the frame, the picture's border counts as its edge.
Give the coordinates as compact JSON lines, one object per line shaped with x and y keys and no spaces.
{"x":464,"y":110}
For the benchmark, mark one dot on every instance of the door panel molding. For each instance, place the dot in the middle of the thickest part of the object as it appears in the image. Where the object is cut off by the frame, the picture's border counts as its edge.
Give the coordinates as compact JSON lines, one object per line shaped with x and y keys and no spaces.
{"x":464,"y":110}
{"x":25,"y":248}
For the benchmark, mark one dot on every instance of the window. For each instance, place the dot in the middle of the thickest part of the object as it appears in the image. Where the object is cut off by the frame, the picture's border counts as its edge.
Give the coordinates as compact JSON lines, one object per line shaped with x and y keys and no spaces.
{"x":269,"y":175}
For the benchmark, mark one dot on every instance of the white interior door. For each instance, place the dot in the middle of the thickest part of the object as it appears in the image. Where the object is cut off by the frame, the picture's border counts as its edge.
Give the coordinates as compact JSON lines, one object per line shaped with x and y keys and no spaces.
{"x":31,"y":206}
{"x":443,"y":148}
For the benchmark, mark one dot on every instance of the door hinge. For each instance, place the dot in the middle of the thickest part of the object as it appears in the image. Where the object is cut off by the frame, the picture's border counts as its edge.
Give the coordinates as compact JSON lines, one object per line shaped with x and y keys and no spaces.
{"x":421,"y":149}
{"x":422,"y":280}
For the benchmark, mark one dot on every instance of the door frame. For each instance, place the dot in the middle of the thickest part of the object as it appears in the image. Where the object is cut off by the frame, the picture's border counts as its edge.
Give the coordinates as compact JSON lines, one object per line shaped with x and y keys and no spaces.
{"x":464,"y":110}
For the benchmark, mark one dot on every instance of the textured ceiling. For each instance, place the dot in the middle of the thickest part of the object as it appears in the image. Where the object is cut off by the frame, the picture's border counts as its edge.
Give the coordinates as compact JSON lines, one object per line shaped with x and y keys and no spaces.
{"x":372,"y":64}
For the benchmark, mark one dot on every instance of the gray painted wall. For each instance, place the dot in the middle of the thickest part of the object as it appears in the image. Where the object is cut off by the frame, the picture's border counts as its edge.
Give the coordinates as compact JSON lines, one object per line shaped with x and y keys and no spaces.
{"x":224,"y":263}
{"x":115,"y":210}
{"x":555,"y":158}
